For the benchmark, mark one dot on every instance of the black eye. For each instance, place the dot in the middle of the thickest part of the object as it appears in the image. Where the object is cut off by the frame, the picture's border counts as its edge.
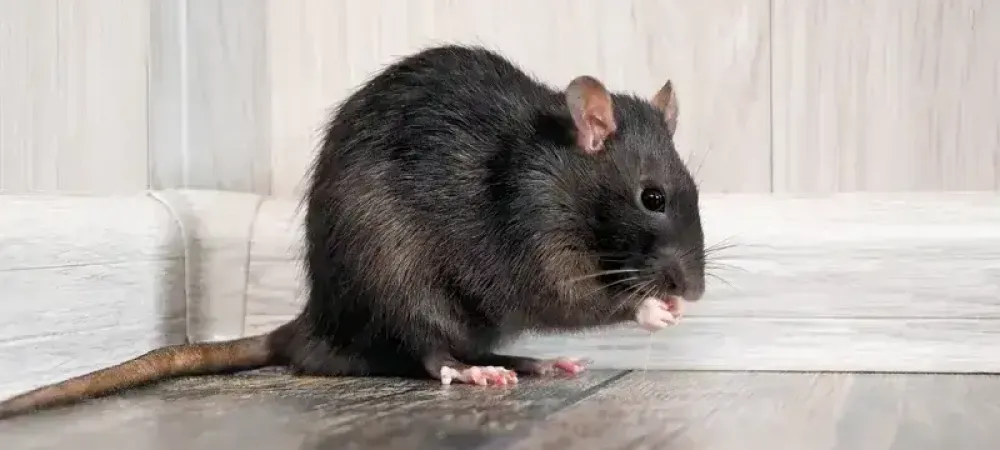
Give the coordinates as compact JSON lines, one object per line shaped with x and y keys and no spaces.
{"x":653,"y":199}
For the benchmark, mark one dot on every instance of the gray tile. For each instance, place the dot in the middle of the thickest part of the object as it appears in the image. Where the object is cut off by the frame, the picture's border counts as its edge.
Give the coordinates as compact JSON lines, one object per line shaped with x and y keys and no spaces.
{"x":607,"y":410}
{"x":777,"y":411}
{"x":268,"y":411}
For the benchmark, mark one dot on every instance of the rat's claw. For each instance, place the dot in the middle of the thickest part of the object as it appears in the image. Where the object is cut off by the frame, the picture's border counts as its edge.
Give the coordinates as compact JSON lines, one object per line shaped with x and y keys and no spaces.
{"x":480,"y":375}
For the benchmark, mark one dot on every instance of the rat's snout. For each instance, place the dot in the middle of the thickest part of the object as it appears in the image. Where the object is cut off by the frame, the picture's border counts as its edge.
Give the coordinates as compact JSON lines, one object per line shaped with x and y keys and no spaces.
{"x":679,"y":277}
{"x":672,"y":276}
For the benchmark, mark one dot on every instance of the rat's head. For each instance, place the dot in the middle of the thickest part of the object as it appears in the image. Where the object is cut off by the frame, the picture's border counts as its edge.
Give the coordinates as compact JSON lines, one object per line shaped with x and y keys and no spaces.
{"x":639,"y":200}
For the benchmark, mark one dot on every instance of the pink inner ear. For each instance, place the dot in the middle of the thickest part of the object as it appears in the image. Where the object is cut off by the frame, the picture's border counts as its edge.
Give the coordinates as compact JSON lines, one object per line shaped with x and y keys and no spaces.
{"x":590,"y":105}
{"x":598,"y":125}
{"x":666,"y":101}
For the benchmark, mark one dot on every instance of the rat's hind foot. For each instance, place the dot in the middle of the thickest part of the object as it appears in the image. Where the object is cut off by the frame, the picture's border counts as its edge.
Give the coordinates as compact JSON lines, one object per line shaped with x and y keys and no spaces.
{"x":558,"y":366}
{"x":481,"y":375}
{"x":447,"y":369}
{"x":535,"y":366}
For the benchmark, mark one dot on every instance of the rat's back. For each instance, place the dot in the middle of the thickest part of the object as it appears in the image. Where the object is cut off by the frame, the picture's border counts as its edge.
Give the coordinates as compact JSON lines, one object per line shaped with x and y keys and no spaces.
{"x":445,"y":107}
{"x":409,"y":161}
{"x":430,"y":132}
{"x":400,"y":197}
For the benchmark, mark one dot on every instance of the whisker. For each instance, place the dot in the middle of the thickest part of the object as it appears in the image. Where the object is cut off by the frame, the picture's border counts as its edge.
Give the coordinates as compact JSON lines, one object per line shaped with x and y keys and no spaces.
{"x":726,"y":239}
{"x":648,"y":289}
{"x":716,"y":261}
{"x":612,"y":258}
{"x":624,"y":280}
{"x":684,"y":254}
{"x":602,"y":288}
{"x":719,"y":248}
{"x":600,"y":274}
{"x":718,"y":265}
{"x":723,"y":243}
{"x":723,"y":280}
{"x":634,"y":292}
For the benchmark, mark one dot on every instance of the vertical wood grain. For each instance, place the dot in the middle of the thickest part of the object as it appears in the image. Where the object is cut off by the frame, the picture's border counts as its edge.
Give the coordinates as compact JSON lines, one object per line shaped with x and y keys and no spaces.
{"x":73,"y":95}
{"x":168,"y":130}
{"x":716,"y":51}
{"x":308,"y":71}
{"x":866,"y":95}
{"x":210,"y":116}
{"x":27,"y":60}
{"x":874,"y":95}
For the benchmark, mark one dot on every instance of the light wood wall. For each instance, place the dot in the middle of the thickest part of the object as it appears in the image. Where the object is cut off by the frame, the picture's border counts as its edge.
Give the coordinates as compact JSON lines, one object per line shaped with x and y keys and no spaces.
{"x":777,"y":95}
{"x":73,"y":95}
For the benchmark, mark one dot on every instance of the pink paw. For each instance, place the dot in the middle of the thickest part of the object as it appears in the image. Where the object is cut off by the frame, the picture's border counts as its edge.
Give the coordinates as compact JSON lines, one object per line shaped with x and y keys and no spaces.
{"x":654,"y":314}
{"x":481,"y":375}
{"x":566,"y":366}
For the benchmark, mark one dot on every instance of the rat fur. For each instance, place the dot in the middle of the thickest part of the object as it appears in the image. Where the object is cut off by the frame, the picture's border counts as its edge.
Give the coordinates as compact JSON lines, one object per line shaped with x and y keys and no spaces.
{"x":456,"y":202}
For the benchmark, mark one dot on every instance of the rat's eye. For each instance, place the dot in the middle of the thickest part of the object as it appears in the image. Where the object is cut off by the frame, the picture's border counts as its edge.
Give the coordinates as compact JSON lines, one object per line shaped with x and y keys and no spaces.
{"x":653,"y":199}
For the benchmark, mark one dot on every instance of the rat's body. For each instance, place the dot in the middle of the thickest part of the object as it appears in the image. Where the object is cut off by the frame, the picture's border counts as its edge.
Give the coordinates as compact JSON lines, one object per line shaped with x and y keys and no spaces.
{"x":455,"y":204}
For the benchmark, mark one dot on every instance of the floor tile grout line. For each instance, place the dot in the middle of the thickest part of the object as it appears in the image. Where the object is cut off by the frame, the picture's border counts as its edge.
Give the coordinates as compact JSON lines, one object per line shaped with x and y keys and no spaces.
{"x":504,"y":442}
{"x":586,"y":393}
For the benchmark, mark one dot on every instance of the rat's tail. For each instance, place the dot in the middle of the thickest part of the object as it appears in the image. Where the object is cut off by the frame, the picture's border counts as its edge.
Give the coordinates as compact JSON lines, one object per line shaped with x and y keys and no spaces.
{"x":167,"y":362}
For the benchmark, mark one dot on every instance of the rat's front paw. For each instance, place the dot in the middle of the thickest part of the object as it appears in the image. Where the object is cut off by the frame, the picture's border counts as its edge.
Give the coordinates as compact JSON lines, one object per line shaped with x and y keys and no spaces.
{"x":654,"y":314}
{"x":481,"y":375}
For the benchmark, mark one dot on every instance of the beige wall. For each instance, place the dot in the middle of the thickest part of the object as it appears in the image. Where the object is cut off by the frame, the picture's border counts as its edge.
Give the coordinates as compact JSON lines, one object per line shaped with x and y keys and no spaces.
{"x":73,"y":95}
{"x":782,"y":95}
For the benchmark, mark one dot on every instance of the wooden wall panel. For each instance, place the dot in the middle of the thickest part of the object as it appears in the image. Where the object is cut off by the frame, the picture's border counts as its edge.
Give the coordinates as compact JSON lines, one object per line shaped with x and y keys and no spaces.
{"x":878,"y":95}
{"x":715,"y":50}
{"x":73,"y":95}
{"x":209,"y":95}
{"x":104,"y":96}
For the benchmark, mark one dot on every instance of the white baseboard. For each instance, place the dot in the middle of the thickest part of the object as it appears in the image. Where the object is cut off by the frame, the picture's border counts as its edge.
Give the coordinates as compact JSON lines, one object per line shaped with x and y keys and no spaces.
{"x":872,"y":282}
{"x":852,"y":282}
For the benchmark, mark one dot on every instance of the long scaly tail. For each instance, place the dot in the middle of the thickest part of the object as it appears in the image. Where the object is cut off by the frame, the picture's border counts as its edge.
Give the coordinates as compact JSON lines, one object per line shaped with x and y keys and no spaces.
{"x":167,"y":362}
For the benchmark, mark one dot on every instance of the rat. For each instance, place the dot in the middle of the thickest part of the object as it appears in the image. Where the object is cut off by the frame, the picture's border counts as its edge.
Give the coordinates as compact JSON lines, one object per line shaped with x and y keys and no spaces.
{"x":456,"y":203}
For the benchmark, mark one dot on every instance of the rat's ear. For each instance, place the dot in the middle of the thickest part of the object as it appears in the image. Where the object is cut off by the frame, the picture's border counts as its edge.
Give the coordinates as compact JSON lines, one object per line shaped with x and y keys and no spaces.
{"x":590,"y":105}
{"x":666,"y":101}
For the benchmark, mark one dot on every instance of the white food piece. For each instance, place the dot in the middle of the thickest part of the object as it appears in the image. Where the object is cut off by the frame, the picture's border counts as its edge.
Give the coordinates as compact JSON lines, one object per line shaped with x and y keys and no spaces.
{"x":652,"y":314}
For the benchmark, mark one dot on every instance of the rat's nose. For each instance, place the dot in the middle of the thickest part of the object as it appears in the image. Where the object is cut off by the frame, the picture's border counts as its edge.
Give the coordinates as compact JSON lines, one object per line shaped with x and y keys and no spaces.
{"x":694,"y":292}
{"x":673,"y":278}
{"x":677,"y":278}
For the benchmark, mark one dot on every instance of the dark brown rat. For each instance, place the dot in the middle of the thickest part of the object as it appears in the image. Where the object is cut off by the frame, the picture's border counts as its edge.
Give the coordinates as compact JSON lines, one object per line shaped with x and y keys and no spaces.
{"x":456,"y":203}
